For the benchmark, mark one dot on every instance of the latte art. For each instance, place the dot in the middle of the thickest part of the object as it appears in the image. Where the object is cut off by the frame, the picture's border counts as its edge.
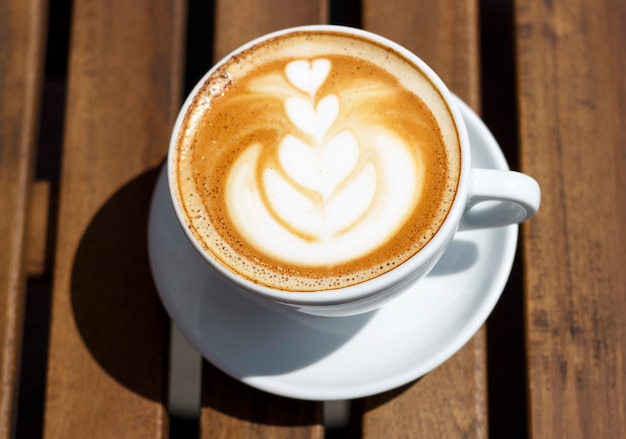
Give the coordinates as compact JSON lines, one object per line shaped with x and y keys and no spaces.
{"x":324,"y":193}
{"x":303,"y":166}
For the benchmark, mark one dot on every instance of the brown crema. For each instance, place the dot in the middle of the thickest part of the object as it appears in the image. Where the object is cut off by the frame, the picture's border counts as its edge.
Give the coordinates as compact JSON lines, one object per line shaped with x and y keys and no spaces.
{"x":241,"y":105}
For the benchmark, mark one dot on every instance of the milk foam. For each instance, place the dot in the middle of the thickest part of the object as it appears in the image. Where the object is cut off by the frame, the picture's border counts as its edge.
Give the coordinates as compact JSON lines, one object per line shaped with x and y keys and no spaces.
{"x":328,"y":194}
{"x":304,"y":167}
{"x":308,"y":75}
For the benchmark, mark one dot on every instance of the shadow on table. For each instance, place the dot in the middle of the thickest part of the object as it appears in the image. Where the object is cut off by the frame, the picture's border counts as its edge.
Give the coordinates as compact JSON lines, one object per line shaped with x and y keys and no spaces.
{"x":115,"y":304}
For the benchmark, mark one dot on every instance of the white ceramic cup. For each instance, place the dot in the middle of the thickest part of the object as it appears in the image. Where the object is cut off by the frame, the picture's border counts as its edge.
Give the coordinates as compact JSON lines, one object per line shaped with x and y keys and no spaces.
{"x":485,"y":198}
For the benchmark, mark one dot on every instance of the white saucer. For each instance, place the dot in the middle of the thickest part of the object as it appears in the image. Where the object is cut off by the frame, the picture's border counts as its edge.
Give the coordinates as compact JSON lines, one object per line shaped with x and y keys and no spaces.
{"x":317,"y":358}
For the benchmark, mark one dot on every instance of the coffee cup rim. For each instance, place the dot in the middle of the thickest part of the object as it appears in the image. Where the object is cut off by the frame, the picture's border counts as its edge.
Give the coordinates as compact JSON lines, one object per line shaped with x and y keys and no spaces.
{"x":385,"y":281}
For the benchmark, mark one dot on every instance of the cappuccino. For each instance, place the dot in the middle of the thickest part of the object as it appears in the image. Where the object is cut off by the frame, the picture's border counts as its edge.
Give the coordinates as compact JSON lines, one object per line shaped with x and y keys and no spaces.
{"x":315,"y":160}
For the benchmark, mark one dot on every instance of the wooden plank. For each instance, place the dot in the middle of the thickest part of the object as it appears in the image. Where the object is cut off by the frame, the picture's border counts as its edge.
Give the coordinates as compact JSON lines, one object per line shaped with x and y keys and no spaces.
{"x":242,"y":21}
{"x":229,"y":408}
{"x":451,"y":401}
{"x":232,"y":409}
{"x":571,"y":57}
{"x":448,"y":402}
{"x":109,"y":332}
{"x":444,"y":34}
{"x":22,"y":33}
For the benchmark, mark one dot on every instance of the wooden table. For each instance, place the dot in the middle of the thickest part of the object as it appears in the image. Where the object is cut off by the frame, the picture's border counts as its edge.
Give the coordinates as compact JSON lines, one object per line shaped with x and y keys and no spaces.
{"x":80,"y":320}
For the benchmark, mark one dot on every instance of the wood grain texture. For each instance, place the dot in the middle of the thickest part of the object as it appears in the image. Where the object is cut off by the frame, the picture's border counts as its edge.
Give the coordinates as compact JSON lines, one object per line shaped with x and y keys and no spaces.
{"x":242,"y":21}
{"x":22,"y":32}
{"x":572,"y":99}
{"x":444,"y":34}
{"x":451,"y":401}
{"x":230,"y":409}
{"x":234,"y":410}
{"x":108,"y":343}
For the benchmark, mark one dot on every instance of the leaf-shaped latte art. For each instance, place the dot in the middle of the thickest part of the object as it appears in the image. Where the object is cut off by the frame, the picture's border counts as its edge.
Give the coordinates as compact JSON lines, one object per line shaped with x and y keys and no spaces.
{"x":349,"y":205}
{"x":322,"y":221}
{"x":339,"y":157}
{"x":352,"y":221}
{"x":321,"y":171}
{"x":326,"y":200}
{"x":308,"y":76}
{"x":298,"y":160}
{"x":292,"y":206}
{"x":313,"y":120}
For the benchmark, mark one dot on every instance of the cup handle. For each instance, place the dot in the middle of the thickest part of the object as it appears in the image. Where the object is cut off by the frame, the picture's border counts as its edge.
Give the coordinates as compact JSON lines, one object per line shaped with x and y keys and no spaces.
{"x":499,"y":198}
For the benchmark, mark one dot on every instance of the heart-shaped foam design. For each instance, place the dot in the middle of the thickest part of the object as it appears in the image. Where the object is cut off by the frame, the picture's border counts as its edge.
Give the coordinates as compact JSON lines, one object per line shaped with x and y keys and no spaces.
{"x":306,"y":75}
{"x":320,"y":170}
{"x":313,"y":120}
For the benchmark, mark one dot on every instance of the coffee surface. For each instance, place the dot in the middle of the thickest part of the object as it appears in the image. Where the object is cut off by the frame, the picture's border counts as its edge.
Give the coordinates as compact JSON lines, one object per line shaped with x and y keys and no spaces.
{"x":315,"y":161}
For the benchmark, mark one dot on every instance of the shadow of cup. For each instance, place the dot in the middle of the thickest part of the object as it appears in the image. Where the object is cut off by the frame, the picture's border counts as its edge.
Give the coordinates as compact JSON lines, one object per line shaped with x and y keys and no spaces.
{"x":113,"y":298}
